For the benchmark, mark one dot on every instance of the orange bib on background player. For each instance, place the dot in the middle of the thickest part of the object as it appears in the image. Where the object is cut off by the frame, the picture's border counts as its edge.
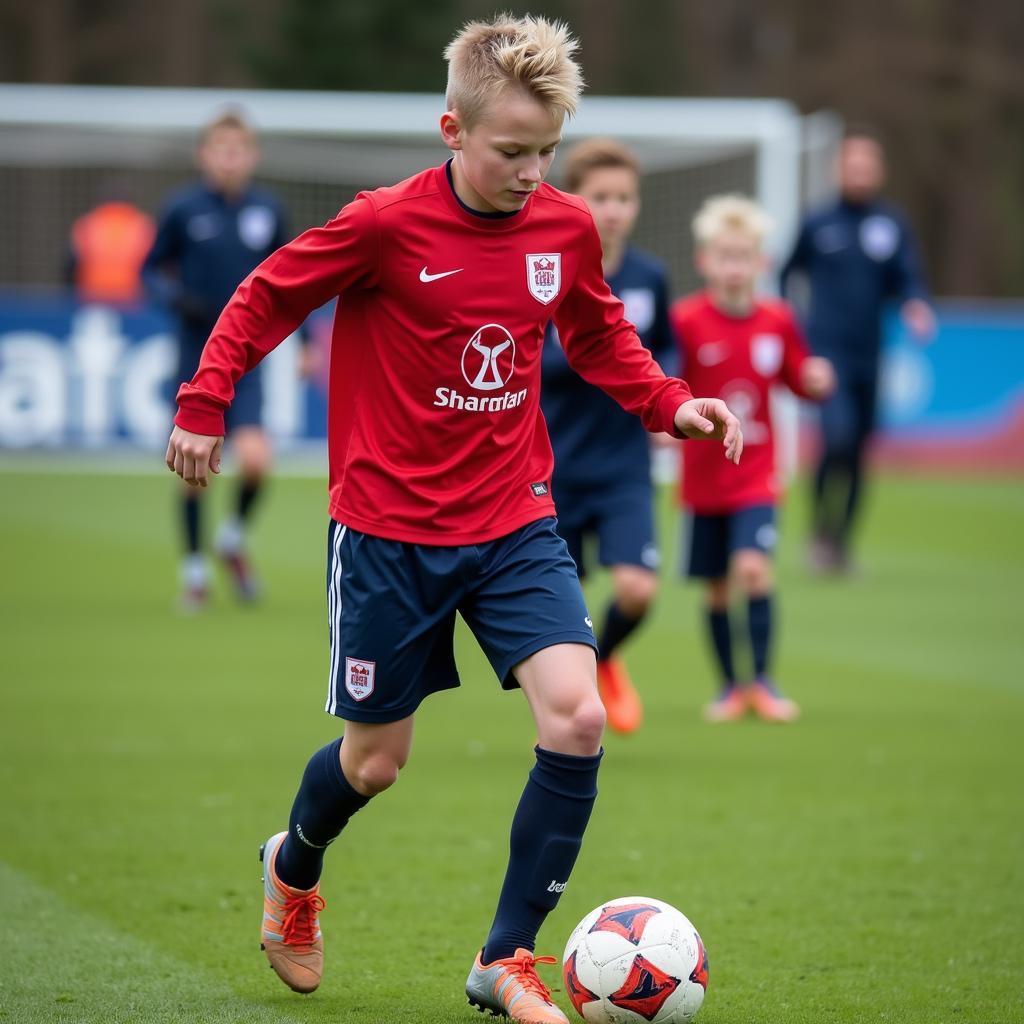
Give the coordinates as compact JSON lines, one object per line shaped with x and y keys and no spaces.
{"x":110,"y":244}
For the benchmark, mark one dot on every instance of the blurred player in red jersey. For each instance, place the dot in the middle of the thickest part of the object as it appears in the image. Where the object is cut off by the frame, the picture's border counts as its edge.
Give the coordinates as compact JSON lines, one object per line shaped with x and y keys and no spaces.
{"x":737,"y":346}
{"x":440,"y":470}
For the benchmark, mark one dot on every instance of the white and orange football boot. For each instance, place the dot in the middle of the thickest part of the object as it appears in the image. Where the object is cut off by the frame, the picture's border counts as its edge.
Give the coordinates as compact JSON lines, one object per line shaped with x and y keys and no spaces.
{"x":511,"y":988}
{"x":769,"y":705}
{"x":729,"y":706}
{"x":290,"y":935}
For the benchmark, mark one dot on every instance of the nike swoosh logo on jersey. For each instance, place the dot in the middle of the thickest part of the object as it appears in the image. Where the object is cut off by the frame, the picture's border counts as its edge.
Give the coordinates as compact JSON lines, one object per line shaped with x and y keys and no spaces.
{"x":427,"y":278}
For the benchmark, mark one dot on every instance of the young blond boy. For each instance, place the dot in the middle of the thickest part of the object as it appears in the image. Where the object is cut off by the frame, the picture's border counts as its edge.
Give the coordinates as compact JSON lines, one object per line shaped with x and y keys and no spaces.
{"x":736,"y":345}
{"x":440,"y":476}
{"x":602,"y":477}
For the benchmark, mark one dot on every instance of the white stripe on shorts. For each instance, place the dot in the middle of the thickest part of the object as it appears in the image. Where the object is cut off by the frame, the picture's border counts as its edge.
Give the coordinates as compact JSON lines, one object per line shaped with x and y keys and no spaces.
{"x":334,"y":616}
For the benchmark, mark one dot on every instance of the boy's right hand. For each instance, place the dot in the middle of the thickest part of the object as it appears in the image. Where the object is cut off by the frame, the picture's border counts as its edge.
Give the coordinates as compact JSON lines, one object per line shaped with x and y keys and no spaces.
{"x":193,"y":456}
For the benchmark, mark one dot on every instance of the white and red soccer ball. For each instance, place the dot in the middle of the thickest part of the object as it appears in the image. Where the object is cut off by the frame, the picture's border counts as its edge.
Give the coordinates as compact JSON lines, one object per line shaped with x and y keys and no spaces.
{"x":633,"y":960}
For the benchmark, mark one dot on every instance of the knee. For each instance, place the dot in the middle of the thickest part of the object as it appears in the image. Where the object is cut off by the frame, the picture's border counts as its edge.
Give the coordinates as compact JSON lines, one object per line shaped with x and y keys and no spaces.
{"x":374,"y":773}
{"x":582,"y":728}
{"x":753,"y":573}
{"x":253,"y":467}
{"x":252,"y":449}
{"x":635,"y":595}
{"x":717,"y":595}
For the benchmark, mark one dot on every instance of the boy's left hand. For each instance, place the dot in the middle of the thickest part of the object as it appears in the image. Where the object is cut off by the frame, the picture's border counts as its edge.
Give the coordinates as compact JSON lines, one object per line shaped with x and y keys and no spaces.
{"x":704,"y":418}
{"x":920,"y":318}
{"x":817,"y":377}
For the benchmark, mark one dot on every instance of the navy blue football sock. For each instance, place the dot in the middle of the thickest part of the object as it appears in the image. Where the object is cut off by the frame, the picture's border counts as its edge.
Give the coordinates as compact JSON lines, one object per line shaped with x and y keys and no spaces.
{"x":821,"y":512}
{"x":248,"y":492}
{"x":617,"y":626}
{"x":849,"y":511}
{"x":324,"y":803}
{"x":759,"y":622}
{"x":547,"y":832}
{"x":721,"y":642}
{"x":190,"y":520}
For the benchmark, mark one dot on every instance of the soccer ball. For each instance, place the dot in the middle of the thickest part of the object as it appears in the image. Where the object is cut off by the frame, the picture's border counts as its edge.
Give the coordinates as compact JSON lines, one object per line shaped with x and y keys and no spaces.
{"x":635,"y":959}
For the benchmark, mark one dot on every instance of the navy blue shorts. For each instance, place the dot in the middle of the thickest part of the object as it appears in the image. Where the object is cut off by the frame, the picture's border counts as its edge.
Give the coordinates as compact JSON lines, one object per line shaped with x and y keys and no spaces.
{"x":246,"y":409}
{"x":714,"y":539}
{"x":621,"y":517}
{"x":391,"y":612}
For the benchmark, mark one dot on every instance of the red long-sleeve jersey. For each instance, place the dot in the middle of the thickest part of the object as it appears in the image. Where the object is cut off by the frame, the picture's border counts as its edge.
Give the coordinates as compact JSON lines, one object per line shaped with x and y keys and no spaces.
{"x":737,"y":359}
{"x":435,"y":433}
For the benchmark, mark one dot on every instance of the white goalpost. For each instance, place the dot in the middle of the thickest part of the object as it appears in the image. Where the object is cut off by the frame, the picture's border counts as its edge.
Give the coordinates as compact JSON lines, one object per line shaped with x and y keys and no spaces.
{"x":63,"y":148}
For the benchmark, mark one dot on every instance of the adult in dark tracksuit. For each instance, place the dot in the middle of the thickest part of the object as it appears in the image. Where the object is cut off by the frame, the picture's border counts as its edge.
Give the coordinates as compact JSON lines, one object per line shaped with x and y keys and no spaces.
{"x":857,"y":254}
{"x":211,"y":235}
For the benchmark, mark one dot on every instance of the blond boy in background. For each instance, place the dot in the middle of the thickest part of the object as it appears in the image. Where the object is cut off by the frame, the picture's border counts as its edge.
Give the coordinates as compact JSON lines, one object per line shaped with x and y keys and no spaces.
{"x":737,"y":346}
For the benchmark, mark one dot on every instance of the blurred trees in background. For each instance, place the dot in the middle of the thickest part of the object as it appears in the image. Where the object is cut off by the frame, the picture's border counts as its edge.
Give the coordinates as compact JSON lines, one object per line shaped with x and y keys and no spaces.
{"x":942,"y":80}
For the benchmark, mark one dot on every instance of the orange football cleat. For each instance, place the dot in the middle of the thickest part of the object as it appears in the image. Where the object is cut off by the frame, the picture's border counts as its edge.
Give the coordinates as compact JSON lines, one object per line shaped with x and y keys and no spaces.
{"x":729,"y":706}
{"x":290,"y":935}
{"x":769,"y":704}
{"x":511,"y":988}
{"x":619,"y":696}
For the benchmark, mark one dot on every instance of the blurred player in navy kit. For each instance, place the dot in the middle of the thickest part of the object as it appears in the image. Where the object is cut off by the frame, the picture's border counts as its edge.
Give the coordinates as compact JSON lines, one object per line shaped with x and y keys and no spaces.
{"x":858,"y":254}
{"x":211,"y":235}
{"x":602,"y":478}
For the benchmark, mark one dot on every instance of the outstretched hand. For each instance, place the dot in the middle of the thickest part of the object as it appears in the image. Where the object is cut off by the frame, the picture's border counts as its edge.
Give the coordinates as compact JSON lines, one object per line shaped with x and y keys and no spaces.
{"x":817,"y":377}
{"x":920,"y":318}
{"x":193,"y":456}
{"x":704,"y":418}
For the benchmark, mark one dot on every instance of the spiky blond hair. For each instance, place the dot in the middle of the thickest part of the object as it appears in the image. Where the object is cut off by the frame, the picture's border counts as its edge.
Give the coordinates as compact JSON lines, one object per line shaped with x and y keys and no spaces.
{"x":730,"y":213}
{"x":534,"y":54}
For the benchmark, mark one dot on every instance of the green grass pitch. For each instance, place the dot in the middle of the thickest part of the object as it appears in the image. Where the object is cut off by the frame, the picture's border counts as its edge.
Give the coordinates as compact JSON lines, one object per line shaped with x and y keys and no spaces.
{"x":866,"y":864}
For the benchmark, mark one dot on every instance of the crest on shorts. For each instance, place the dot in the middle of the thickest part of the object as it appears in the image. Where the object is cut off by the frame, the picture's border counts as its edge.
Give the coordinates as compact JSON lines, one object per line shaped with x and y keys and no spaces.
{"x":766,"y":354}
{"x":359,"y":678}
{"x":544,"y":275}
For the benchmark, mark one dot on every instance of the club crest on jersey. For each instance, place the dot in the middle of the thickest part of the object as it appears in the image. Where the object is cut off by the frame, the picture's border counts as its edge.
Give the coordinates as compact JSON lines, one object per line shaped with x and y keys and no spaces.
{"x":544,"y":275}
{"x":766,"y":354}
{"x":640,"y":307}
{"x":879,"y":237}
{"x":256,"y":226}
{"x":359,"y":677}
